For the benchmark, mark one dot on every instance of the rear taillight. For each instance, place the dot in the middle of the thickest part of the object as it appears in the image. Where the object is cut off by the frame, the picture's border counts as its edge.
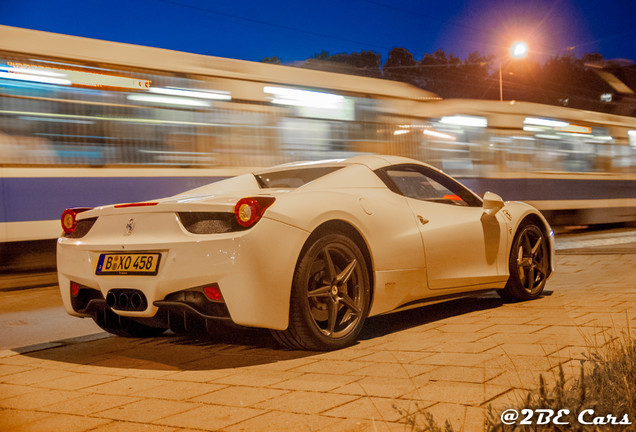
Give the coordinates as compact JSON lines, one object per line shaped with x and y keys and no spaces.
{"x":74,"y":289}
{"x":212,"y":292}
{"x":69,"y":218}
{"x":249,"y":210}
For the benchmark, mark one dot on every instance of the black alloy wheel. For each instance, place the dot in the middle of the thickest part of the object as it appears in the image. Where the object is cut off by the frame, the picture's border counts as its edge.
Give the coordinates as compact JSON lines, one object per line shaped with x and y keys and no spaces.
{"x":330,"y":296}
{"x":528,"y":264}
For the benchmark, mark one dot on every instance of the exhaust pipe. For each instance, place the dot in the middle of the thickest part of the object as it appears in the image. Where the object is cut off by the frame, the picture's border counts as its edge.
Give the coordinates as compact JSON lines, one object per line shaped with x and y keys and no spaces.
{"x":111,"y":300}
{"x":136,"y":301}
{"x":122,"y":301}
{"x":126,"y":300}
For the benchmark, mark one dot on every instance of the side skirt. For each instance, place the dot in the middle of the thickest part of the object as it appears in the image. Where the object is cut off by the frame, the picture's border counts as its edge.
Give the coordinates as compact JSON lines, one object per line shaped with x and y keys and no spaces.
{"x":437,"y":299}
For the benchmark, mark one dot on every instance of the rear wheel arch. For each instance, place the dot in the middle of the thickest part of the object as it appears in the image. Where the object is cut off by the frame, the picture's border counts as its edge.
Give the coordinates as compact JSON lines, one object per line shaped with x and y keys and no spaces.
{"x":331,"y":316}
{"x":342,"y":227}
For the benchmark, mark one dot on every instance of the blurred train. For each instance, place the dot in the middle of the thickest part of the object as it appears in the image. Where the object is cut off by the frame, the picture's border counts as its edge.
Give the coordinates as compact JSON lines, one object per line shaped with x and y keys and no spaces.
{"x":87,"y":122}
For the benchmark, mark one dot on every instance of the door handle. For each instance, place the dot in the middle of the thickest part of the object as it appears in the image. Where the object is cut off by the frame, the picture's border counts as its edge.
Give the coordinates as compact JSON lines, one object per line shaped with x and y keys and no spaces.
{"x":422,"y":220}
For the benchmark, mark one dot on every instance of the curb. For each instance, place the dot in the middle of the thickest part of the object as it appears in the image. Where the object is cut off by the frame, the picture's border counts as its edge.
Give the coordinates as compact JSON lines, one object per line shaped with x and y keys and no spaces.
{"x":20,"y":281}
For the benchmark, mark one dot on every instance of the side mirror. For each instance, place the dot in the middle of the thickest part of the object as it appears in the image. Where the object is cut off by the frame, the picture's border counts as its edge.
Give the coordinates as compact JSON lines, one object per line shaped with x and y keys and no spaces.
{"x":492,"y":203}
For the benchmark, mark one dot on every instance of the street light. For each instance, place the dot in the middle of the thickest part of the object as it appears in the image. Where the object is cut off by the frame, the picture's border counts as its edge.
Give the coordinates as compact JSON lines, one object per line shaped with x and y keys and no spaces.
{"x":517,"y":50}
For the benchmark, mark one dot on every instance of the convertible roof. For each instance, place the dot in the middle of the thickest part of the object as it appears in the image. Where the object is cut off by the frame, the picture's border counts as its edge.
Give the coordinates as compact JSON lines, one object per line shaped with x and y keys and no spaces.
{"x":373,"y":162}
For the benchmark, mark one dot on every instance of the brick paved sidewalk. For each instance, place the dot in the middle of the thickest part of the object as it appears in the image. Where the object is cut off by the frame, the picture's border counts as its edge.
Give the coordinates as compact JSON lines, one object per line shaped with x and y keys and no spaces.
{"x":453,"y":359}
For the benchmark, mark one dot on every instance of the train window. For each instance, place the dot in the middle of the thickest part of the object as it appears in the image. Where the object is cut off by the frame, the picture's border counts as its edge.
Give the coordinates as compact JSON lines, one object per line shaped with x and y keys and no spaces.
{"x":455,"y":144}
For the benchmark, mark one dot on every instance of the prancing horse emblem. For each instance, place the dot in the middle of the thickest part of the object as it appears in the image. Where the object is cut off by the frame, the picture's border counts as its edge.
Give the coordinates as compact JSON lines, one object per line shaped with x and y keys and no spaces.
{"x":130,"y":226}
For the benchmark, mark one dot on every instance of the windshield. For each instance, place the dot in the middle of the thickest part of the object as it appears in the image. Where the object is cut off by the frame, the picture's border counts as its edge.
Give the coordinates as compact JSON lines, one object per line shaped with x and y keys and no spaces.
{"x":292,"y":178}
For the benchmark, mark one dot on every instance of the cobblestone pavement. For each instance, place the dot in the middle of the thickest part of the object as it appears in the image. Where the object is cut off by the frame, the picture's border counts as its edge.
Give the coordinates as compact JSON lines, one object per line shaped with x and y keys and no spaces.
{"x":453,"y":359}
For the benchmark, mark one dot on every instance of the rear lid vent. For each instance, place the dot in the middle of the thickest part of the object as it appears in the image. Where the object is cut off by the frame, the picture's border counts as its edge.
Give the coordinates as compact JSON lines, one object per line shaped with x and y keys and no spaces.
{"x":82,"y":228}
{"x":209,"y":222}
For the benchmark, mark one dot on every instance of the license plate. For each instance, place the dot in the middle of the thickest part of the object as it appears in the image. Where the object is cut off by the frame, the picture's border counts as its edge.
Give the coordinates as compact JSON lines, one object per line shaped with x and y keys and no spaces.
{"x":128,"y":264}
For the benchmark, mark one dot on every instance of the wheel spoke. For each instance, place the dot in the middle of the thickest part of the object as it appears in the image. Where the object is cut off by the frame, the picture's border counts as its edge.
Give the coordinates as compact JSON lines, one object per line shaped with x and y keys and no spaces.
{"x":330,"y":266}
{"x":539,"y":268}
{"x":540,"y":274}
{"x":350,"y":304}
{"x":527,"y":246}
{"x":344,"y":276}
{"x":333,"y":316}
{"x":530,"y":278}
{"x":536,"y":247}
{"x":320,"y":292}
{"x":520,"y":262}
{"x":525,"y":262}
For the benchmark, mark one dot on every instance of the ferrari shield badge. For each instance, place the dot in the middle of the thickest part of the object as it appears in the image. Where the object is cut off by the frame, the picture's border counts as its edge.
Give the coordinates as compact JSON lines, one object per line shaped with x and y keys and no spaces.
{"x":130,"y":226}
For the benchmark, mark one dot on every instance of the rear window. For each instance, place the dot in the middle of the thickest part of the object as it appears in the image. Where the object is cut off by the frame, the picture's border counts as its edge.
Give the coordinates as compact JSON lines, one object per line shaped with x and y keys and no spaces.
{"x":292,"y":178}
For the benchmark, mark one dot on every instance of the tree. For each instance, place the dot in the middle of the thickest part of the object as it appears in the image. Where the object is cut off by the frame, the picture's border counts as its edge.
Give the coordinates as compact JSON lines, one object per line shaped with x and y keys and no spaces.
{"x":561,"y":80}
{"x":474,"y":76}
{"x":322,"y":55}
{"x":448,"y":76}
{"x":400,"y":66}
{"x":272,"y":60}
{"x":592,"y":59}
{"x":365,"y":63}
{"x":566,"y":81}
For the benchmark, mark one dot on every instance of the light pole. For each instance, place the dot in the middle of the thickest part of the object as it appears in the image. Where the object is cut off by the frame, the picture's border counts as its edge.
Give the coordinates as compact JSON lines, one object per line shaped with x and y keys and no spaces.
{"x":517,"y":50}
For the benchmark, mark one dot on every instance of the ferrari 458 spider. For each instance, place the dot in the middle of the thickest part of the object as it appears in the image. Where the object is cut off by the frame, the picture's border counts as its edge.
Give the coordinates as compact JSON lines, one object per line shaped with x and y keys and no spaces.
{"x":307,"y":250}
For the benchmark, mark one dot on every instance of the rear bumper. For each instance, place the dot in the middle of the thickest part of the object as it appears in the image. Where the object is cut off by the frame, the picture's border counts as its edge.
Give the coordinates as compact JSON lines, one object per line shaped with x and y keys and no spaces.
{"x":253,"y":270}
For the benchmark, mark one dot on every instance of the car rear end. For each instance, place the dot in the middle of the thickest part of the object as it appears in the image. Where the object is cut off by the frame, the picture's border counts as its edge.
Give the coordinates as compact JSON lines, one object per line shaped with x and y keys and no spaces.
{"x":181,"y":260}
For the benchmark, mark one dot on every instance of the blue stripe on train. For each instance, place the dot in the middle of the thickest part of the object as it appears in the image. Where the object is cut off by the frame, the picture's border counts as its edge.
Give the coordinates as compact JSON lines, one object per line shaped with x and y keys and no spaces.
{"x":530,"y":189}
{"x":33,"y":199}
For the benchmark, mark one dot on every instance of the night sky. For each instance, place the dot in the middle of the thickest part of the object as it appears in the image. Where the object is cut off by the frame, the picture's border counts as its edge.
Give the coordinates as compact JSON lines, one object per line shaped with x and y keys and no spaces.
{"x":252,"y":30}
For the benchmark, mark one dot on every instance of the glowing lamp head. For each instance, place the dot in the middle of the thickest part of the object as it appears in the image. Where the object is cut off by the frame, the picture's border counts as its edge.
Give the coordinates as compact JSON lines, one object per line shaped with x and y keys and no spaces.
{"x":68,"y":221}
{"x":519,"y":49}
{"x":69,"y":218}
{"x":249,"y":210}
{"x":244,"y":213}
{"x":75,"y":288}
{"x":213,"y":293}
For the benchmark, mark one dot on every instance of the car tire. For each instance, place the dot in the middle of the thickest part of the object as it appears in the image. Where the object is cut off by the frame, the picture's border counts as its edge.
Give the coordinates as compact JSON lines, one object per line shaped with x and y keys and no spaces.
{"x":528,"y":264}
{"x":125,"y":326}
{"x":330,"y":296}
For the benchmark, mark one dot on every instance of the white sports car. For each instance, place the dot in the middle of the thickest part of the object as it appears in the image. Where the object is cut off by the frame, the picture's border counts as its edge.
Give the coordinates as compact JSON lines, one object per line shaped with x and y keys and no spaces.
{"x":308,"y":250}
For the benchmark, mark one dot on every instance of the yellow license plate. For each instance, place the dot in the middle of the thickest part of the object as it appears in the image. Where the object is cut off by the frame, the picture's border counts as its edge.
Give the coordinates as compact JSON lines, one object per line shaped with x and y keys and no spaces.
{"x":128,"y":264}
